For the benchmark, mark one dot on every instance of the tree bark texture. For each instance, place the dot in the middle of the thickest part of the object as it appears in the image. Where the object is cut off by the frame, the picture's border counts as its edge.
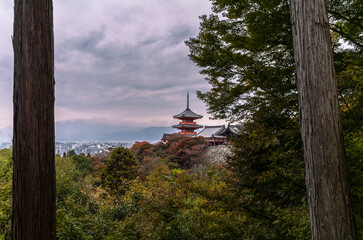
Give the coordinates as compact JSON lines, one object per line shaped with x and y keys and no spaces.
{"x":33,"y":216}
{"x":326,"y":172}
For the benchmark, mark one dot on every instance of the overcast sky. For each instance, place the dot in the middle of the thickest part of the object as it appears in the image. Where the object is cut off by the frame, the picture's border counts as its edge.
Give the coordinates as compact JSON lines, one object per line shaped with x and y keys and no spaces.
{"x":118,"y":61}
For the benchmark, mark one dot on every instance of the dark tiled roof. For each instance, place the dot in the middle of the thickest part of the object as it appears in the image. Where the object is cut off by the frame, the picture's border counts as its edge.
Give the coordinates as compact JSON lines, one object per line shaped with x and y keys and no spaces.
{"x":188,"y":114}
{"x":230,"y":130}
{"x":210,"y":131}
{"x":168,"y":136}
{"x":187,"y":126}
{"x":219,"y":131}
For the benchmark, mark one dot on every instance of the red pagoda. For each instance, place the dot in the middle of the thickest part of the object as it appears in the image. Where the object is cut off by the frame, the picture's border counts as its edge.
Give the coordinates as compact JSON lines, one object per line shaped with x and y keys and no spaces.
{"x":187,"y":124}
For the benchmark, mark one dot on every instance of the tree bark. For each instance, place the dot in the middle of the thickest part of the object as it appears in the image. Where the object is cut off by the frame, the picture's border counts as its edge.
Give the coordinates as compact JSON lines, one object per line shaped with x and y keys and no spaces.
{"x":326,"y":172}
{"x":33,"y":215}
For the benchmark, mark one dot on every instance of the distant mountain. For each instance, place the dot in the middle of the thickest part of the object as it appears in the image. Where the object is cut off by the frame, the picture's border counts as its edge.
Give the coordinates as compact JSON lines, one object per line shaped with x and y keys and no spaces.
{"x":78,"y":130}
{"x":147,"y":134}
{"x":82,"y":130}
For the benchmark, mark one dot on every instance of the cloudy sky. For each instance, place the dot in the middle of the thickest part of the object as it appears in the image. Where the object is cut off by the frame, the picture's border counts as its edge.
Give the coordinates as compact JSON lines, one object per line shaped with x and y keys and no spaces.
{"x":122,"y":62}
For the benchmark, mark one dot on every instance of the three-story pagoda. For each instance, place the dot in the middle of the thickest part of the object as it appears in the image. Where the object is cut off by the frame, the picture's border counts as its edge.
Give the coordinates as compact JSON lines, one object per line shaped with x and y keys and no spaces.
{"x":187,"y":126}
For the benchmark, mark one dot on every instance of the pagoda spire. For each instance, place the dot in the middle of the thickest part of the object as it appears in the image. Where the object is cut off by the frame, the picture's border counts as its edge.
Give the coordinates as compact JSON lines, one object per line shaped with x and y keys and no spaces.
{"x":187,"y":124}
{"x":187,"y":99}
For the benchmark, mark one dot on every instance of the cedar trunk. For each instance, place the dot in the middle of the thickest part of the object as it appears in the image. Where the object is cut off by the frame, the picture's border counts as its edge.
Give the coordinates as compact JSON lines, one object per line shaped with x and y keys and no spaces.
{"x":33,"y":215}
{"x":326,"y":172}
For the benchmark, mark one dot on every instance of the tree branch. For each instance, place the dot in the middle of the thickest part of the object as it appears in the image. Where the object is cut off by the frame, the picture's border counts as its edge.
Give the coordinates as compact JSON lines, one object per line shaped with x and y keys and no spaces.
{"x":339,"y":30}
{"x":358,"y":24}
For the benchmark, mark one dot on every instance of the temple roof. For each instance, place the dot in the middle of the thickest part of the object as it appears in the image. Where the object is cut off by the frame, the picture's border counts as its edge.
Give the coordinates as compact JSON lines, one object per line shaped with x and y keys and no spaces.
{"x":211,"y":131}
{"x":219,"y":131}
{"x":168,"y":136}
{"x":187,"y":113}
{"x":230,"y":130}
{"x":187,"y":126}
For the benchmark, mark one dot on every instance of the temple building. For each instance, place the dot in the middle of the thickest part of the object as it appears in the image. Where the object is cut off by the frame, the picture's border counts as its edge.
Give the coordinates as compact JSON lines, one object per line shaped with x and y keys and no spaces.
{"x":219,"y":135}
{"x":187,"y":126}
{"x":214,"y":135}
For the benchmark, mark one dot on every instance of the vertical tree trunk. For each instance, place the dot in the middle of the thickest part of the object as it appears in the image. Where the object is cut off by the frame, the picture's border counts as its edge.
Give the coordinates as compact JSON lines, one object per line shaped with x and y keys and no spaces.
{"x":326,"y":171}
{"x":33,"y":214}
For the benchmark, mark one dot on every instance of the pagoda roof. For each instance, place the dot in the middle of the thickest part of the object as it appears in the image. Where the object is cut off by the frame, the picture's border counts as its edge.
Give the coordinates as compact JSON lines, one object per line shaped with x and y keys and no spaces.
{"x":187,"y":113}
{"x":187,"y":126}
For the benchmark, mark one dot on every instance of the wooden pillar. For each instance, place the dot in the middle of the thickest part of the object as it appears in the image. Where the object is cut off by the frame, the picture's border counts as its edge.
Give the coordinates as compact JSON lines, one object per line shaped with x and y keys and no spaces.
{"x":33,"y":216}
{"x":331,"y":215}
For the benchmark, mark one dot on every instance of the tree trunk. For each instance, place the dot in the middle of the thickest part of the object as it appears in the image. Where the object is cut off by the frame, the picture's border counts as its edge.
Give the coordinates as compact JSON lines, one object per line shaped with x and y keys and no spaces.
{"x":33,"y":215}
{"x":326,"y":172}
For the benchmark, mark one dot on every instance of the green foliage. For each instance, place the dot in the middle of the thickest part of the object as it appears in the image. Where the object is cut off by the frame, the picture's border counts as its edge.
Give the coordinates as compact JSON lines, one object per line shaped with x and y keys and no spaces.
{"x":6,"y":172}
{"x":174,"y":204}
{"x":78,"y":214}
{"x":247,"y":57}
{"x":346,"y":20}
{"x":67,"y":177}
{"x":354,"y":151}
{"x":245,"y":51}
{"x":6,"y":165}
{"x":79,"y":217}
{"x":83,"y":163}
{"x":349,"y":66}
{"x":71,"y":153}
{"x":119,"y":170}
{"x":267,"y":171}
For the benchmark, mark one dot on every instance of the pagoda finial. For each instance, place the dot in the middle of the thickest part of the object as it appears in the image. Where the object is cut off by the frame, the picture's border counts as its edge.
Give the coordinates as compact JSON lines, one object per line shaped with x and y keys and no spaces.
{"x":187,"y":99}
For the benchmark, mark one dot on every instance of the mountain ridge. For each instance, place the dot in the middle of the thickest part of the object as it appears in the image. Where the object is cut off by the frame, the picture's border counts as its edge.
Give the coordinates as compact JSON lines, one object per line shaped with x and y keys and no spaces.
{"x":87,"y":131}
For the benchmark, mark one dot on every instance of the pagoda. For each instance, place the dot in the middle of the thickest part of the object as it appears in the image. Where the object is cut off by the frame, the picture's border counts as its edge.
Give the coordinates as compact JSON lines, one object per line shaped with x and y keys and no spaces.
{"x":187,"y":124}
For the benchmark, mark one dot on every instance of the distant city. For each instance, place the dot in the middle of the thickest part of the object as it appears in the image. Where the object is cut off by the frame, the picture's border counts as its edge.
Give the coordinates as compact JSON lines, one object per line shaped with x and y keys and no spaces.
{"x":91,"y":148}
{"x":89,"y":138}
{"x":85,"y":147}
